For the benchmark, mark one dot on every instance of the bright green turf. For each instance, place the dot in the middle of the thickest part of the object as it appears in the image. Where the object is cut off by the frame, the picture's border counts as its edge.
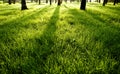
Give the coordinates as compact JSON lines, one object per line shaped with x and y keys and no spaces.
{"x":60,"y":40}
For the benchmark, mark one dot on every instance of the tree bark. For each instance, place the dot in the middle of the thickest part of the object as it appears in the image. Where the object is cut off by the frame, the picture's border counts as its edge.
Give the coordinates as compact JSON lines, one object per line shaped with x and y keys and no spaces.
{"x":46,"y":1}
{"x":104,"y":2}
{"x":90,"y":0}
{"x":39,"y":2}
{"x":59,"y":3}
{"x":50,"y":2}
{"x":23,"y":7}
{"x":55,"y":1}
{"x":9,"y":1}
{"x":14,"y":1}
{"x":83,"y":5}
{"x":99,"y":1}
{"x":115,"y":1}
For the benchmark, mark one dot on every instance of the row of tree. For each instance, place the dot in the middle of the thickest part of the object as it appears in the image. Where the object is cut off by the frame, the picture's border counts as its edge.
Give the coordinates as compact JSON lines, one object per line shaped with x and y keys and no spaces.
{"x":59,"y":2}
{"x":83,"y":3}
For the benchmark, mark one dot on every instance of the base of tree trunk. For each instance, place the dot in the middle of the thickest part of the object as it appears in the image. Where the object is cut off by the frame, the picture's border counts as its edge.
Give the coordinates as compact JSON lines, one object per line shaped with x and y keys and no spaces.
{"x":23,"y":5}
{"x":59,"y":3}
{"x":24,"y":8}
{"x":83,"y":5}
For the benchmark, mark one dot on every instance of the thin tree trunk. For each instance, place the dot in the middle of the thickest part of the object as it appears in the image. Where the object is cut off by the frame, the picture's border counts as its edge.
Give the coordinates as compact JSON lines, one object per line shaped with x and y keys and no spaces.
{"x":115,"y":1}
{"x":59,"y":2}
{"x":83,"y":5}
{"x":104,"y":2}
{"x":55,"y":1}
{"x":39,"y":2}
{"x":50,"y":2}
{"x":99,"y":1}
{"x":23,"y":7}
{"x":9,"y":1}
{"x":46,"y":1}
{"x":14,"y":1}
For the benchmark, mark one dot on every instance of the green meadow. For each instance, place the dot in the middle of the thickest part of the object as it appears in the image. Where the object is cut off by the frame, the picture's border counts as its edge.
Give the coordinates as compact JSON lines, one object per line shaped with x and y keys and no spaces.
{"x":60,"y":39}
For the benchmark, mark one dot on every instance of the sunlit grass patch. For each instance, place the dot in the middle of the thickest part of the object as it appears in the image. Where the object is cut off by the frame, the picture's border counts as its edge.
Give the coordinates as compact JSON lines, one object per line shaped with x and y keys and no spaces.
{"x":59,"y":39}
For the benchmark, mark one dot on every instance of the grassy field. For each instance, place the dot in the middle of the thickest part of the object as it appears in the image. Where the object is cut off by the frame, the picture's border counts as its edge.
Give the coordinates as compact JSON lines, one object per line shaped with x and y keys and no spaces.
{"x":60,"y":39}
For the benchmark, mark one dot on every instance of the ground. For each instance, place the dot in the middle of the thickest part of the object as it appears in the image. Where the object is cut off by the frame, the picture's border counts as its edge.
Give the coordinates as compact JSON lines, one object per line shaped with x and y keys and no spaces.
{"x":60,"y":39}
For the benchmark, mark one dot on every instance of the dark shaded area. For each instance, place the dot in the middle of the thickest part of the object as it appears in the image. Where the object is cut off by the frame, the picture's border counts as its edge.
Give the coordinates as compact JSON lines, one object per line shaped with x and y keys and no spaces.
{"x":115,"y":2}
{"x":59,"y":3}
{"x":9,"y":1}
{"x":23,"y":5}
{"x":50,"y":2}
{"x":45,"y":43}
{"x":105,"y":2}
{"x":98,"y":72}
{"x":83,"y":5}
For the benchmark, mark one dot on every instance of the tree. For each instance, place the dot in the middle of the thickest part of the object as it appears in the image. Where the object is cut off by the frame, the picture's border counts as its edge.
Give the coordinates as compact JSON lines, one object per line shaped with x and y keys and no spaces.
{"x":55,"y":1}
{"x":50,"y":2}
{"x":83,"y":4}
{"x":9,"y":1}
{"x":90,"y":0}
{"x":59,"y":3}
{"x":115,"y":1}
{"x":14,"y":1}
{"x":39,"y":2}
{"x":99,"y":1}
{"x":105,"y":2}
{"x":46,"y":1}
{"x":66,"y":1}
{"x":23,"y":5}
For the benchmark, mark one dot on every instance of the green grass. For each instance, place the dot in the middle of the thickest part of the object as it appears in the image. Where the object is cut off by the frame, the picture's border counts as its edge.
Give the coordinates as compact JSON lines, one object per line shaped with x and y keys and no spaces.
{"x":60,"y":40}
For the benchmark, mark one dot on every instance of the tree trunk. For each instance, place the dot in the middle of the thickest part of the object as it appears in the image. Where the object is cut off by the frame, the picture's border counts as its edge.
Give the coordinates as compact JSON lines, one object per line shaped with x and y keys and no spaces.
{"x":66,"y":1}
{"x":23,"y":7}
{"x":50,"y":2}
{"x":104,"y":2}
{"x":55,"y":1}
{"x":46,"y":1}
{"x":115,"y":1}
{"x":9,"y":1}
{"x":3,"y":1}
{"x":59,"y":2}
{"x":39,"y":2}
{"x":99,"y":1}
{"x":83,"y":5}
{"x":90,"y":0}
{"x":14,"y":1}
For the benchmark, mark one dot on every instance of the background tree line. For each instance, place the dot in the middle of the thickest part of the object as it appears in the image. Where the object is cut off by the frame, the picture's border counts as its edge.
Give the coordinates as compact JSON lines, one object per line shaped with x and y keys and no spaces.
{"x":59,"y":2}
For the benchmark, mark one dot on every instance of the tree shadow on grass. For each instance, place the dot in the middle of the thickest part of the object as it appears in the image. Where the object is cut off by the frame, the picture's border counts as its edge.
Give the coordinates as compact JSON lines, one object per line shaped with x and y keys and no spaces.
{"x":109,"y":36}
{"x":46,"y":41}
{"x":11,"y":27}
{"x":43,"y":49}
{"x":7,"y":36}
{"x":113,"y":41}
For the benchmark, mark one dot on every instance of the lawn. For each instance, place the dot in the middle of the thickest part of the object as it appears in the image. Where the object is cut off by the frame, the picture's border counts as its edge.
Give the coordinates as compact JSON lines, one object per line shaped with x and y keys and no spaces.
{"x":60,"y":39}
